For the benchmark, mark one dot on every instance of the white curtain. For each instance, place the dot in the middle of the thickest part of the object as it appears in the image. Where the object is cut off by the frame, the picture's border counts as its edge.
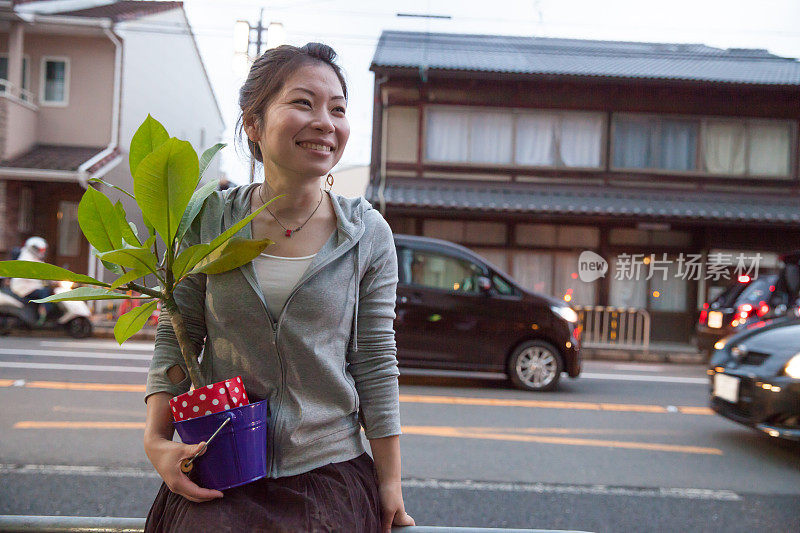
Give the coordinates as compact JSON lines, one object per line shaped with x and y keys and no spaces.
{"x":569,"y":283}
{"x":769,"y":149}
{"x":447,"y":135}
{"x":535,"y":139}
{"x":581,"y":136}
{"x":672,"y":292}
{"x":723,"y":147}
{"x":678,"y":145}
{"x":533,"y":270}
{"x":490,"y":139}
{"x":633,"y":142}
{"x":628,"y":292}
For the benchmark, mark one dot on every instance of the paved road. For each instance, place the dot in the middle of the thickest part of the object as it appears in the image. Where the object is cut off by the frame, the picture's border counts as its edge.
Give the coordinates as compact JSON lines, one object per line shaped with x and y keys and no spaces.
{"x":626,"y":447}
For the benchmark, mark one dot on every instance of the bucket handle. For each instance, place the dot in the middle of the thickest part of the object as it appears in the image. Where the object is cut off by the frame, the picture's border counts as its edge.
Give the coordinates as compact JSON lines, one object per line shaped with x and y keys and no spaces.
{"x":187,"y":464}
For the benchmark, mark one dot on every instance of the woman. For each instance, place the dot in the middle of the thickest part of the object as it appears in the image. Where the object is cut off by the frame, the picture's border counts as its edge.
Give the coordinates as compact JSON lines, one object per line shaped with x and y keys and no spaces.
{"x":308,"y":326}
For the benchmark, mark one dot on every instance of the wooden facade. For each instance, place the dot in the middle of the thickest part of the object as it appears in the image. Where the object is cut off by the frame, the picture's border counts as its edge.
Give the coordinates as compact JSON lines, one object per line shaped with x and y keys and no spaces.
{"x":513,"y":239}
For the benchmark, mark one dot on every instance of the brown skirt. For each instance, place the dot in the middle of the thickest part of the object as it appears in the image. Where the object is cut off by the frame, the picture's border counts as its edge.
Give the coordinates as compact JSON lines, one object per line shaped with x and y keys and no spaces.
{"x":335,"y":497}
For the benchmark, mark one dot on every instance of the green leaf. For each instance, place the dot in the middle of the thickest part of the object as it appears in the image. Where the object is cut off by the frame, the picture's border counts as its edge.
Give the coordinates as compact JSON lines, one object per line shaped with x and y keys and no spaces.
{"x":126,"y":227}
{"x":111,"y":267}
{"x":136,"y":258}
{"x":132,"y":321}
{"x":87,"y":293}
{"x":188,"y":258}
{"x":127,"y":278}
{"x":150,"y":135}
{"x":107,"y":184}
{"x":163,"y":185}
{"x":36,"y":270}
{"x":99,"y":221}
{"x":192,"y":258}
{"x":134,"y":230}
{"x":195,"y":204}
{"x":208,"y":155}
{"x":233,"y":254}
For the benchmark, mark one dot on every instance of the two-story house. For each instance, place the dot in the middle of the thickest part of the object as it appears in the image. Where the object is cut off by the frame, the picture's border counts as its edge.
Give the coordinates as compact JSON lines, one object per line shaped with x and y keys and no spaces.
{"x":532,"y":151}
{"x":77,"y":79}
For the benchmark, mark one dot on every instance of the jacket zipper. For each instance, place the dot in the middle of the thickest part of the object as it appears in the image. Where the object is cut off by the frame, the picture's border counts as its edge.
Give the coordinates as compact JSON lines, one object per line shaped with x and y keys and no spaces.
{"x":275,"y":327}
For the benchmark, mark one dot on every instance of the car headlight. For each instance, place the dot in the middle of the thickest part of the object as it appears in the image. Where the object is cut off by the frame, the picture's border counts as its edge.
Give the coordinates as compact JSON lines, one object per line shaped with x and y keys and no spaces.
{"x":792,"y":368}
{"x":720,"y":344}
{"x":564,"y":312}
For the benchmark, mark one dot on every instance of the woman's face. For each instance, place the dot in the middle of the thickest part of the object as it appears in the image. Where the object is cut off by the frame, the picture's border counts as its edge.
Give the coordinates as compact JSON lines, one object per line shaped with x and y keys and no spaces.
{"x":304,"y":127}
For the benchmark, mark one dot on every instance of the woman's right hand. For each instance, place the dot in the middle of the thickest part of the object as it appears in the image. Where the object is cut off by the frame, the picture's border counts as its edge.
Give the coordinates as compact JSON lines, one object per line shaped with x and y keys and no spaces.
{"x":166,"y":456}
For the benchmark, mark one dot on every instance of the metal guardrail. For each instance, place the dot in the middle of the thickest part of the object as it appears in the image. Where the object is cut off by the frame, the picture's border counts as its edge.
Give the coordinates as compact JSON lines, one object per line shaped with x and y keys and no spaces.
{"x":84,"y":524}
{"x":614,"y":327}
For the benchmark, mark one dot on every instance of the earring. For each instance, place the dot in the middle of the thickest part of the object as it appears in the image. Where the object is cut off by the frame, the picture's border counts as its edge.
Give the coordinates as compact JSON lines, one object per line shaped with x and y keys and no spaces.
{"x":329,"y":182}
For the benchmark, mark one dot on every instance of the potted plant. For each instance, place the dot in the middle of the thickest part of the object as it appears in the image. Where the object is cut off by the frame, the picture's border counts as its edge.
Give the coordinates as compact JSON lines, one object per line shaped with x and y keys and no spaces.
{"x":166,"y":172}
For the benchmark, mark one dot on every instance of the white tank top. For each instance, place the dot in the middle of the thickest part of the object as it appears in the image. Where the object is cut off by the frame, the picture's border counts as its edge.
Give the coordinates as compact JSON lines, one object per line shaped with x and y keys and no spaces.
{"x":278,"y":277}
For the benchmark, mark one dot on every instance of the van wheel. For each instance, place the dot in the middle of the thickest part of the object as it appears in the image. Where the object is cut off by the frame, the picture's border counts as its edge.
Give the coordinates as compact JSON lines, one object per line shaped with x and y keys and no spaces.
{"x":535,"y":365}
{"x":79,"y":328}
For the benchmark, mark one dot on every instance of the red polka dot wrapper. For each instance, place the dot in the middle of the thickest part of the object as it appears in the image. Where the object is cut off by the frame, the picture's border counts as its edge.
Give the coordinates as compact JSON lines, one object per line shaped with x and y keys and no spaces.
{"x":215,"y":398}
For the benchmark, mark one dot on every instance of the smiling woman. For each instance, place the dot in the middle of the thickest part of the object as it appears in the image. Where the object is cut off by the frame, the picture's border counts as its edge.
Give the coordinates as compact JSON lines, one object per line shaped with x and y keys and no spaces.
{"x":308,"y":327}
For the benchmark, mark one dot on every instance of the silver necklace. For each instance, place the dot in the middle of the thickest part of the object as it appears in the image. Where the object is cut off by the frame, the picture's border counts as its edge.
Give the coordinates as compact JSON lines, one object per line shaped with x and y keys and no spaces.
{"x":288,"y":232}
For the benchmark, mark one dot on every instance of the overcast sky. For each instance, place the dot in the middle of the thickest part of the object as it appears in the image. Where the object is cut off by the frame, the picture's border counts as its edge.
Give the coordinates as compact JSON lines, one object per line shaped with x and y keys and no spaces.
{"x":352,"y":28}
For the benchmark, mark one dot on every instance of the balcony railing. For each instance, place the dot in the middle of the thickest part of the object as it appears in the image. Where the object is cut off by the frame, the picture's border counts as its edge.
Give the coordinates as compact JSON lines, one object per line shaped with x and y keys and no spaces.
{"x":9,"y":89}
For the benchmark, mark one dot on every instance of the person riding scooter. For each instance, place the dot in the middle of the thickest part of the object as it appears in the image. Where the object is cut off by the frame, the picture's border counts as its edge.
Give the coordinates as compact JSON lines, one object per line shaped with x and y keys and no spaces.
{"x":34,"y":249}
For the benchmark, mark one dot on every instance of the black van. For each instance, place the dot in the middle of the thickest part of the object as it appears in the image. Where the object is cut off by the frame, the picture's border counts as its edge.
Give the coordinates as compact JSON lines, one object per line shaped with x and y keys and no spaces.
{"x":457,"y":311}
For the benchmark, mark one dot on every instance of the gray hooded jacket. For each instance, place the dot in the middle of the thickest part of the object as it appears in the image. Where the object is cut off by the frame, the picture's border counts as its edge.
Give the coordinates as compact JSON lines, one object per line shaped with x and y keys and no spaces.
{"x":326,"y":362}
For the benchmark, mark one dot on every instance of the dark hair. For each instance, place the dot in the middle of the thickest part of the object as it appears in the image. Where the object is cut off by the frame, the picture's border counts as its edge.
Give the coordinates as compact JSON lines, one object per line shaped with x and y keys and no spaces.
{"x":267,"y":76}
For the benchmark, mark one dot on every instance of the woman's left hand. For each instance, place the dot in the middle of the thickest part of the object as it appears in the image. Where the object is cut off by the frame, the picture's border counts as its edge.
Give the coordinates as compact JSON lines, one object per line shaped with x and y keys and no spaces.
{"x":393,"y":512}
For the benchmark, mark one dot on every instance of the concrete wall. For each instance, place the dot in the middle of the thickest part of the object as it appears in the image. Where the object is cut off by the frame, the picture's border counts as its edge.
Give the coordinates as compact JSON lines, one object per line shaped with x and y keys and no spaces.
{"x":86,"y":120}
{"x":19,"y":126}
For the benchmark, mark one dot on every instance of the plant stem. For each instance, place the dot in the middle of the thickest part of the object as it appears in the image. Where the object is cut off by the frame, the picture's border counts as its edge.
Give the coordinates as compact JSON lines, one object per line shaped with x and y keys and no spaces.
{"x":144,"y":290}
{"x":188,"y":349}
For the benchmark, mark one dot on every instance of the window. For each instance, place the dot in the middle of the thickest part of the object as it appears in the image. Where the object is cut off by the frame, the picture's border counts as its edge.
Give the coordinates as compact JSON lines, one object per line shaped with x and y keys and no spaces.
{"x":559,"y":139}
{"x":439,"y":271}
{"x":554,"y":274}
{"x":522,"y":137}
{"x":730,"y":147}
{"x":55,"y":81}
{"x":69,"y":232}
{"x":651,"y":142}
{"x":501,"y":286}
{"x":457,"y":135}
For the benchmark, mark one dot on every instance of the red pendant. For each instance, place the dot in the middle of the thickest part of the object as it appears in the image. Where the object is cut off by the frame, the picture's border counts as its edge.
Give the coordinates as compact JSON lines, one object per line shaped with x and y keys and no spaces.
{"x":288,"y":233}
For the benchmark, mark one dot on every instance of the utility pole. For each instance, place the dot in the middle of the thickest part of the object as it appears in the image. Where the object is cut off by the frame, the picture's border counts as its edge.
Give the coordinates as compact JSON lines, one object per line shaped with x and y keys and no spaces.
{"x":243,"y":42}
{"x":259,"y":29}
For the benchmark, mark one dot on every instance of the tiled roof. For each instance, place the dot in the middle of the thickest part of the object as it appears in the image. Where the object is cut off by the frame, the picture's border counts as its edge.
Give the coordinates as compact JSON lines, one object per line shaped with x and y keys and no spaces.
{"x":590,"y":201}
{"x":123,"y":10}
{"x":51,"y":157}
{"x":574,"y":57}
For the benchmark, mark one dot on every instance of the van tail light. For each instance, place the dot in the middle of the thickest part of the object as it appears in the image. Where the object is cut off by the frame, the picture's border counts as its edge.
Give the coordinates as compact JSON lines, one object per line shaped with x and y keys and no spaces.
{"x":762,"y":309}
{"x":704,"y":313}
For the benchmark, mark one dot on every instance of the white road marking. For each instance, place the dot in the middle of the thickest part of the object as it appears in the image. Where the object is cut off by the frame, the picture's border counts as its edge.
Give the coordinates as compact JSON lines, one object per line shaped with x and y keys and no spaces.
{"x":82,"y":368}
{"x":19,"y":383}
{"x":86,"y":355}
{"x":584,"y":375}
{"x":140,"y":346}
{"x":77,"y":470}
{"x":660,"y":379}
{"x":604,"y":490}
{"x":640,"y":368}
{"x":541,"y":488}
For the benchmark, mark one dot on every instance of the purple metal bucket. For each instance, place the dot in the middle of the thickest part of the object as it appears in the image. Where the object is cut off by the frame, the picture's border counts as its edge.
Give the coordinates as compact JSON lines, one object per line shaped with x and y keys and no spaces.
{"x":238,"y":454}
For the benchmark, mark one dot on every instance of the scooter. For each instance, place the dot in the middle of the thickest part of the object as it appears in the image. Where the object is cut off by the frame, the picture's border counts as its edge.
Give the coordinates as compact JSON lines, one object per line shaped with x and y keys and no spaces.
{"x":71,"y":316}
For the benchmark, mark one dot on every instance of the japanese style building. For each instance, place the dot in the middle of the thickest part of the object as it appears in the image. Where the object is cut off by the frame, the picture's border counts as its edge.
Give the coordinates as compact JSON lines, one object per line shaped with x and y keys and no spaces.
{"x":532,"y":150}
